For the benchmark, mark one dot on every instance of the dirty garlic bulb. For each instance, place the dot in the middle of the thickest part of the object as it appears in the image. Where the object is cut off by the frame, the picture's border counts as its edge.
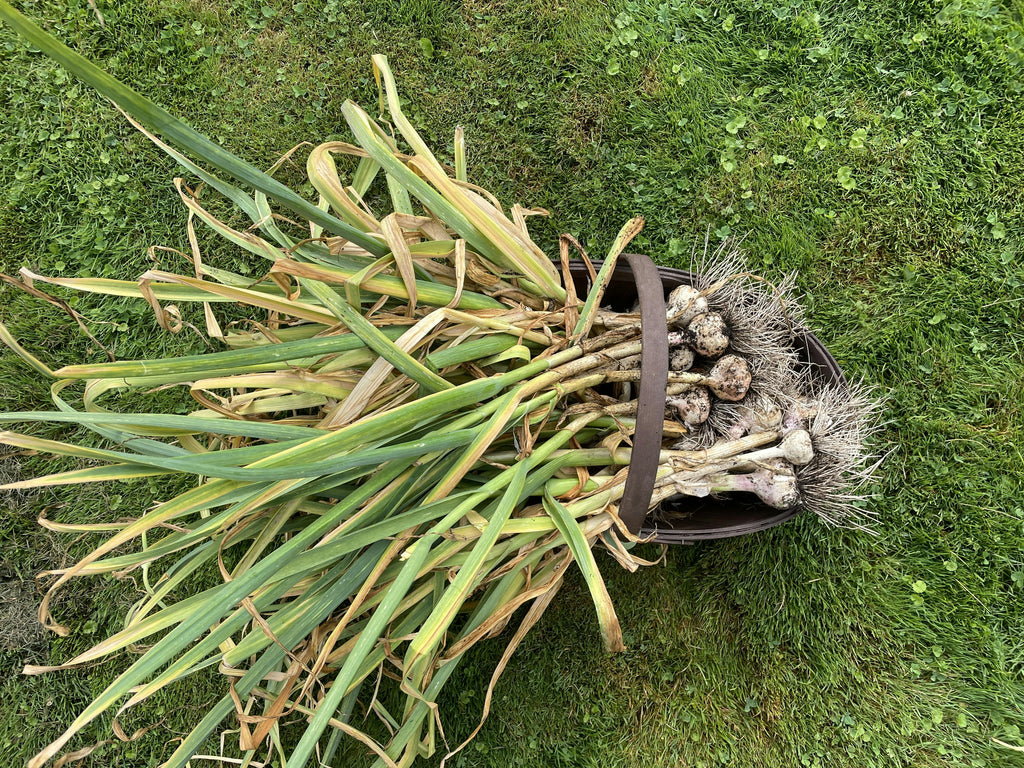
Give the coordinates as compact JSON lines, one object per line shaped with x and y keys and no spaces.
{"x":684,"y":304}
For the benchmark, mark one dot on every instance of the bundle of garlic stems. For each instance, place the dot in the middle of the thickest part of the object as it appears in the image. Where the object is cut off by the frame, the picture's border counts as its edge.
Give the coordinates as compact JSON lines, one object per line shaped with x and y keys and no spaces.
{"x":417,"y":432}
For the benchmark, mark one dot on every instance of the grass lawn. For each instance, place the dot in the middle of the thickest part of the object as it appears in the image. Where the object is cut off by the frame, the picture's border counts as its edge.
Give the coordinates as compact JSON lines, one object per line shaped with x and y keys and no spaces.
{"x":877,"y":148}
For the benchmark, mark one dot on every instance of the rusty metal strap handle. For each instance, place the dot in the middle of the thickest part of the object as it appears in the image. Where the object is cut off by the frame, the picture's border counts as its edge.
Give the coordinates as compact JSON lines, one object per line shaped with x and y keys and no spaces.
{"x":650,"y":413}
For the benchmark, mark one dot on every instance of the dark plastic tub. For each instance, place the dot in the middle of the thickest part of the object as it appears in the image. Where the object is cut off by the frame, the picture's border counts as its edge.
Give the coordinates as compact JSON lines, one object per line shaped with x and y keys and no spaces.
{"x":710,"y":518}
